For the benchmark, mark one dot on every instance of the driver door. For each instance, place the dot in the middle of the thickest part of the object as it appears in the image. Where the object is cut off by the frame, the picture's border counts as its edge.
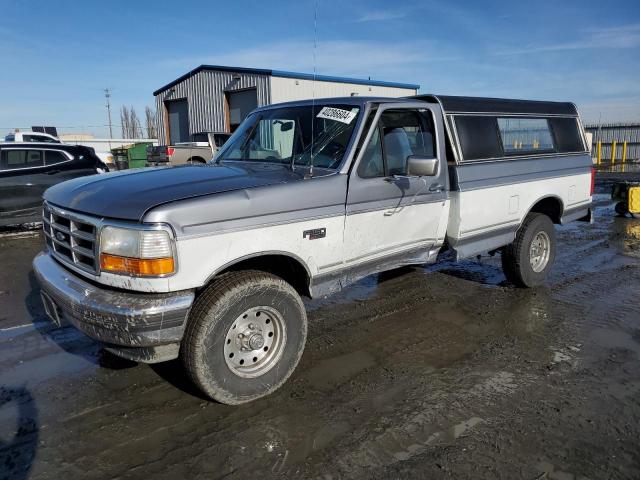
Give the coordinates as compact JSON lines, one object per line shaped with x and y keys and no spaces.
{"x":390,"y":215}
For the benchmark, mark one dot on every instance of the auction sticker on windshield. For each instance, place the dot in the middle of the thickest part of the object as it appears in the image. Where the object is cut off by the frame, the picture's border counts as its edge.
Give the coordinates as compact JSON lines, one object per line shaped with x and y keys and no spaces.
{"x":332,"y":113}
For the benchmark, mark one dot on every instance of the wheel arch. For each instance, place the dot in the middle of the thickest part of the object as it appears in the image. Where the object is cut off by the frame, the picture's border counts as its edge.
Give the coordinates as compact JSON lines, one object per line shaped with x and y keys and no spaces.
{"x":285,"y":265}
{"x":549,"y":205}
{"x":196,"y":159}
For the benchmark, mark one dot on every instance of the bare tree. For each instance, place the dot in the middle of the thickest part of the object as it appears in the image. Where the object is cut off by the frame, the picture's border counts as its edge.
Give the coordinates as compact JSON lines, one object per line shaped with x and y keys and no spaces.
{"x":150,"y":117}
{"x":136,"y":128}
{"x":125,"y":121}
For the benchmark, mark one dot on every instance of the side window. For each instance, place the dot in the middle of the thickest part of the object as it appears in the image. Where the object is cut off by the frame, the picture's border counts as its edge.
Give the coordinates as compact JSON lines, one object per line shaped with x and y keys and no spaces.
{"x":372,"y":164}
{"x":51,"y":157}
{"x":525,"y":135}
{"x":478,"y":137}
{"x":566,"y":134}
{"x":399,"y":134}
{"x":15,"y":159}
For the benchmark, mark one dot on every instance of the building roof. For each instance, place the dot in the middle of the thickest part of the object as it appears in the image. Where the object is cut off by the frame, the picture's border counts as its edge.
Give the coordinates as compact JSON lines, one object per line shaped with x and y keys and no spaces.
{"x":286,"y":74}
{"x":453,"y":104}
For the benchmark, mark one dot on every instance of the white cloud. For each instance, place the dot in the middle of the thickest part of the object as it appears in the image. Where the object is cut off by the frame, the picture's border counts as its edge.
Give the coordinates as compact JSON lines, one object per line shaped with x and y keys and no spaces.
{"x":381,"y":15}
{"x":378,"y":60}
{"x":618,"y":37}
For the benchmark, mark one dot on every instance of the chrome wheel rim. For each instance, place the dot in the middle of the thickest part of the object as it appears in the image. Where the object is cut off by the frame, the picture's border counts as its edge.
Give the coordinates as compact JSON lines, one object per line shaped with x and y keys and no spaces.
{"x":540,"y":251}
{"x":255,"y":342}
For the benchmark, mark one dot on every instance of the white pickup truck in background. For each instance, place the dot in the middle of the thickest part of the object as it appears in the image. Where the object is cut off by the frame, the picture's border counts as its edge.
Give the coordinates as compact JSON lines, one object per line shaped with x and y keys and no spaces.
{"x":209,"y":263}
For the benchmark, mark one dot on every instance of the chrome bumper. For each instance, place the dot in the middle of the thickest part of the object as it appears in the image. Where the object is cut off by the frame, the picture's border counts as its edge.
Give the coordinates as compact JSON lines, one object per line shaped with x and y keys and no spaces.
{"x":115,"y":317}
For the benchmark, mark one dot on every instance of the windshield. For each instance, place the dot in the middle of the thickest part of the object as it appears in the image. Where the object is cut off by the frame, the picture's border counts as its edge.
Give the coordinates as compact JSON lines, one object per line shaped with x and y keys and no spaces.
{"x":284,"y":135}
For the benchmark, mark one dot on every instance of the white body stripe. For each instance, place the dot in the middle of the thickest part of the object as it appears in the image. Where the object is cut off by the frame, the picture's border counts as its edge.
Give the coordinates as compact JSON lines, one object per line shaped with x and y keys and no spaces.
{"x":479,"y":211}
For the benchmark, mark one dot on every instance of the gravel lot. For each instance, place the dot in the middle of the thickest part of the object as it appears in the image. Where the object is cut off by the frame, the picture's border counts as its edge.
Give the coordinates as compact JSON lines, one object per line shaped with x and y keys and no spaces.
{"x":438,"y":372}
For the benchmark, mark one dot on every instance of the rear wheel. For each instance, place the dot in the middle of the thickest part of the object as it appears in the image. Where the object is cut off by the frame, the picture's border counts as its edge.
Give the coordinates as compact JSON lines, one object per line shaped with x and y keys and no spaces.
{"x":527,"y":261}
{"x":245,"y":336}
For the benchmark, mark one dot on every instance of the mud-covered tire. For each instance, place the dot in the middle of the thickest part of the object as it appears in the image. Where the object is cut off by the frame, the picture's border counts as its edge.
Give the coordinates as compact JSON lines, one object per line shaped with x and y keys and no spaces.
{"x":208,"y":332}
{"x":517,"y":256}
{"x":622,"y":208}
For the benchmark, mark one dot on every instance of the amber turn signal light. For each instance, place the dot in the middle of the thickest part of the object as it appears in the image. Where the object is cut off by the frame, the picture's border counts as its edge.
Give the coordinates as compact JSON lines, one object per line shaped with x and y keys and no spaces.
{"x":141,"y":267}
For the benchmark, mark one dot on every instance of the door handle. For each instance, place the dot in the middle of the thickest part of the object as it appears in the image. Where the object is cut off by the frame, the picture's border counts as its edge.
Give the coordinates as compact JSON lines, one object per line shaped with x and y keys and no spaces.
{"x":436,"y":187}
{"x":53,"y":172}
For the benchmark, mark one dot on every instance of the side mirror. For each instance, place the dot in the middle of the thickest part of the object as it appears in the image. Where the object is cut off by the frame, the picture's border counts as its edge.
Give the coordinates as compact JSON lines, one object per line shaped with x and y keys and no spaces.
{"x":421,"y":166}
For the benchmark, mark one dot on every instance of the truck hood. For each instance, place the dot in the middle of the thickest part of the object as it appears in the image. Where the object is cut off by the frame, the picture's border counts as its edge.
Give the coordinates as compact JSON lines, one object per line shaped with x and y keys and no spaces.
{"x":128,"y":195}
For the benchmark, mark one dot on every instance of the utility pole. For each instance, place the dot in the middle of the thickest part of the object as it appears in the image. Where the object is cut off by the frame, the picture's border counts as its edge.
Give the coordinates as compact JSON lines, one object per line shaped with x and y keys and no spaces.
{"x":107,"y":95}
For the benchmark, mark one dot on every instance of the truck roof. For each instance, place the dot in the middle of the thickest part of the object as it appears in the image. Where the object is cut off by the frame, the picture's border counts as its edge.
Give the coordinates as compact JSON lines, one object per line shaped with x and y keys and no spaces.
{"x":456,"y":104}
{"x":453,"y":104}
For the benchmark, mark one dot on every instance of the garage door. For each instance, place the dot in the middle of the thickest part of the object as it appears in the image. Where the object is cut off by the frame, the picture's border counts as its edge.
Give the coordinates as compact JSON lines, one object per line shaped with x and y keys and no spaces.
{"x":240,"y":105}
{"x":178,"y":111}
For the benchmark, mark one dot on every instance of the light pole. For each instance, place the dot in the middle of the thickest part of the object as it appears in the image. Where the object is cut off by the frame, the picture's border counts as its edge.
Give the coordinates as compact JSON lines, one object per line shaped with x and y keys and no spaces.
{"x":107,"y":95}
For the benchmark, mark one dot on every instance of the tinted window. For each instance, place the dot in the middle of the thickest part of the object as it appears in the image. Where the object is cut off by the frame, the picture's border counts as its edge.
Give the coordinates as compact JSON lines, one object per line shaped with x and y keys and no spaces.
{"x":566,"y":134}
{"x":10,"y":138}
{"x":525,"y":135}
{"x":199,"y":137}
{"x":52,"y":156}
{"x":14,"y":159}
{"x":220,"y":138}
{"x":478,"y":137}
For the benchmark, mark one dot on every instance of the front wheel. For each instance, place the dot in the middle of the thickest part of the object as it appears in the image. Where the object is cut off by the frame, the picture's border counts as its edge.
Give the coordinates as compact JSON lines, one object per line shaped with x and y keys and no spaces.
{"x":245,"y":336}
{"x":527,"y":261}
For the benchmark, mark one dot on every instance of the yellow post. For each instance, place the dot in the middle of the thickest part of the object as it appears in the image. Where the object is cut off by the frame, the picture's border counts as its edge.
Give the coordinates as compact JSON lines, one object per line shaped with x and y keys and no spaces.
{"x":599,"y":157}
{"x":624,"y":151}
{"x":613,"y":152}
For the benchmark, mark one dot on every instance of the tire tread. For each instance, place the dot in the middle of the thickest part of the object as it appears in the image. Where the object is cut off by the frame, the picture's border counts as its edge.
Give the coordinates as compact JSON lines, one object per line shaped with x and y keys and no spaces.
{"x":214,"y":294}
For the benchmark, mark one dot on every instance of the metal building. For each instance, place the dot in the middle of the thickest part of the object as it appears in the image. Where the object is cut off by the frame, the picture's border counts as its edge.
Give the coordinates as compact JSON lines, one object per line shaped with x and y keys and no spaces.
{"x":214,"y":98}
{"x":619,"y":133}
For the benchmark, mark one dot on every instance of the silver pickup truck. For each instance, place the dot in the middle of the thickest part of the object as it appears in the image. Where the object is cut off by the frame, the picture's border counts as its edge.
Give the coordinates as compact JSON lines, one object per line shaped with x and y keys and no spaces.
{"x":210,"y":263}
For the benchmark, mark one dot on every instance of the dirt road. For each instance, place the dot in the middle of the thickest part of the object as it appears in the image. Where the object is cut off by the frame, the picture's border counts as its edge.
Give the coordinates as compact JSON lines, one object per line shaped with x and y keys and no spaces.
{"x":439,"y":372}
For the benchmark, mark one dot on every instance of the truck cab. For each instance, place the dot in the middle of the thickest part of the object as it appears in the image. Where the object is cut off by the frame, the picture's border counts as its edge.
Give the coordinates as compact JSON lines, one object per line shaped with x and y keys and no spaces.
{"x":209,"y":263}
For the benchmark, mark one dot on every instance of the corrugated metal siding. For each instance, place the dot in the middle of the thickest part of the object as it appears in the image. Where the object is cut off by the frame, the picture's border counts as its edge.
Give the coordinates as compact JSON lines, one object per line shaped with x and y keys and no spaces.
{"x":205,"y":95}
{"x":288,"y":89}
{"x":620,"y":132}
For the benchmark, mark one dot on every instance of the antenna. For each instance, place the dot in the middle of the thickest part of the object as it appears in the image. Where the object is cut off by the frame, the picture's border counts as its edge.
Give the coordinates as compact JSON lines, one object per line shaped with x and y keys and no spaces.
{"x":313,"y":85}
{"x":107,"y":95}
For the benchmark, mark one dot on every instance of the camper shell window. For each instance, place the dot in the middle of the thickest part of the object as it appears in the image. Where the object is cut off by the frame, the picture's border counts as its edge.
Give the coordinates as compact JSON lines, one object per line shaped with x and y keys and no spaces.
{"x":487,"y":137}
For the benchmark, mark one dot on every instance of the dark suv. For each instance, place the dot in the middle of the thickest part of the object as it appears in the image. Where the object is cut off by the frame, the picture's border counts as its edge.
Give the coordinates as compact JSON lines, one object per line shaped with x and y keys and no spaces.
{"x":27,"y":169}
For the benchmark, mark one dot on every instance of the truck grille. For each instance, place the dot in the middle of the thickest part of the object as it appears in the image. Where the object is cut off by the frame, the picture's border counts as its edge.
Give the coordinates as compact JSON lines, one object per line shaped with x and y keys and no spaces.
{"x":70,"y":238}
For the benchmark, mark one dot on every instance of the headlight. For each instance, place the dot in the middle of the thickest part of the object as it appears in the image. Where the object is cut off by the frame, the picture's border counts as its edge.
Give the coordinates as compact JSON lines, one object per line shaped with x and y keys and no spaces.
{"x":146,"y":253}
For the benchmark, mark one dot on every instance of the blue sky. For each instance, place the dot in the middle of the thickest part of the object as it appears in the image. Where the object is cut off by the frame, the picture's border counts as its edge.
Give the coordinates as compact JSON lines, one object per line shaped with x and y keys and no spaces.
{"x":58,"y":56}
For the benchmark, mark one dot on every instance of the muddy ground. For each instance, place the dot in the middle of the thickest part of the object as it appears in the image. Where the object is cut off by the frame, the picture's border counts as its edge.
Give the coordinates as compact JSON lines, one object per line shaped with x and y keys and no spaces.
{"x":439,"y":372}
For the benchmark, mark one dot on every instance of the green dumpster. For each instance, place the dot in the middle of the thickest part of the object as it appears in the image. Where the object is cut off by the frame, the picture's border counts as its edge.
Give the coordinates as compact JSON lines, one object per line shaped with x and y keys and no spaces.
{"x":131,"y":156}
{"x":138,"y":154}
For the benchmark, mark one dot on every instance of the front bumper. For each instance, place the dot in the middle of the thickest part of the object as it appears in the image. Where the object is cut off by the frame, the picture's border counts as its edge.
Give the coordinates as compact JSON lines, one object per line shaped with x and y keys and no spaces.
{"x":115,"y":317}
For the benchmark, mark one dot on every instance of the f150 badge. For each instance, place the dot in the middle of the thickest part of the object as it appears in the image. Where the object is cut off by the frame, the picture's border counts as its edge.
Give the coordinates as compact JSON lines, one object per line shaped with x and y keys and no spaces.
{"x":315,"y":233}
